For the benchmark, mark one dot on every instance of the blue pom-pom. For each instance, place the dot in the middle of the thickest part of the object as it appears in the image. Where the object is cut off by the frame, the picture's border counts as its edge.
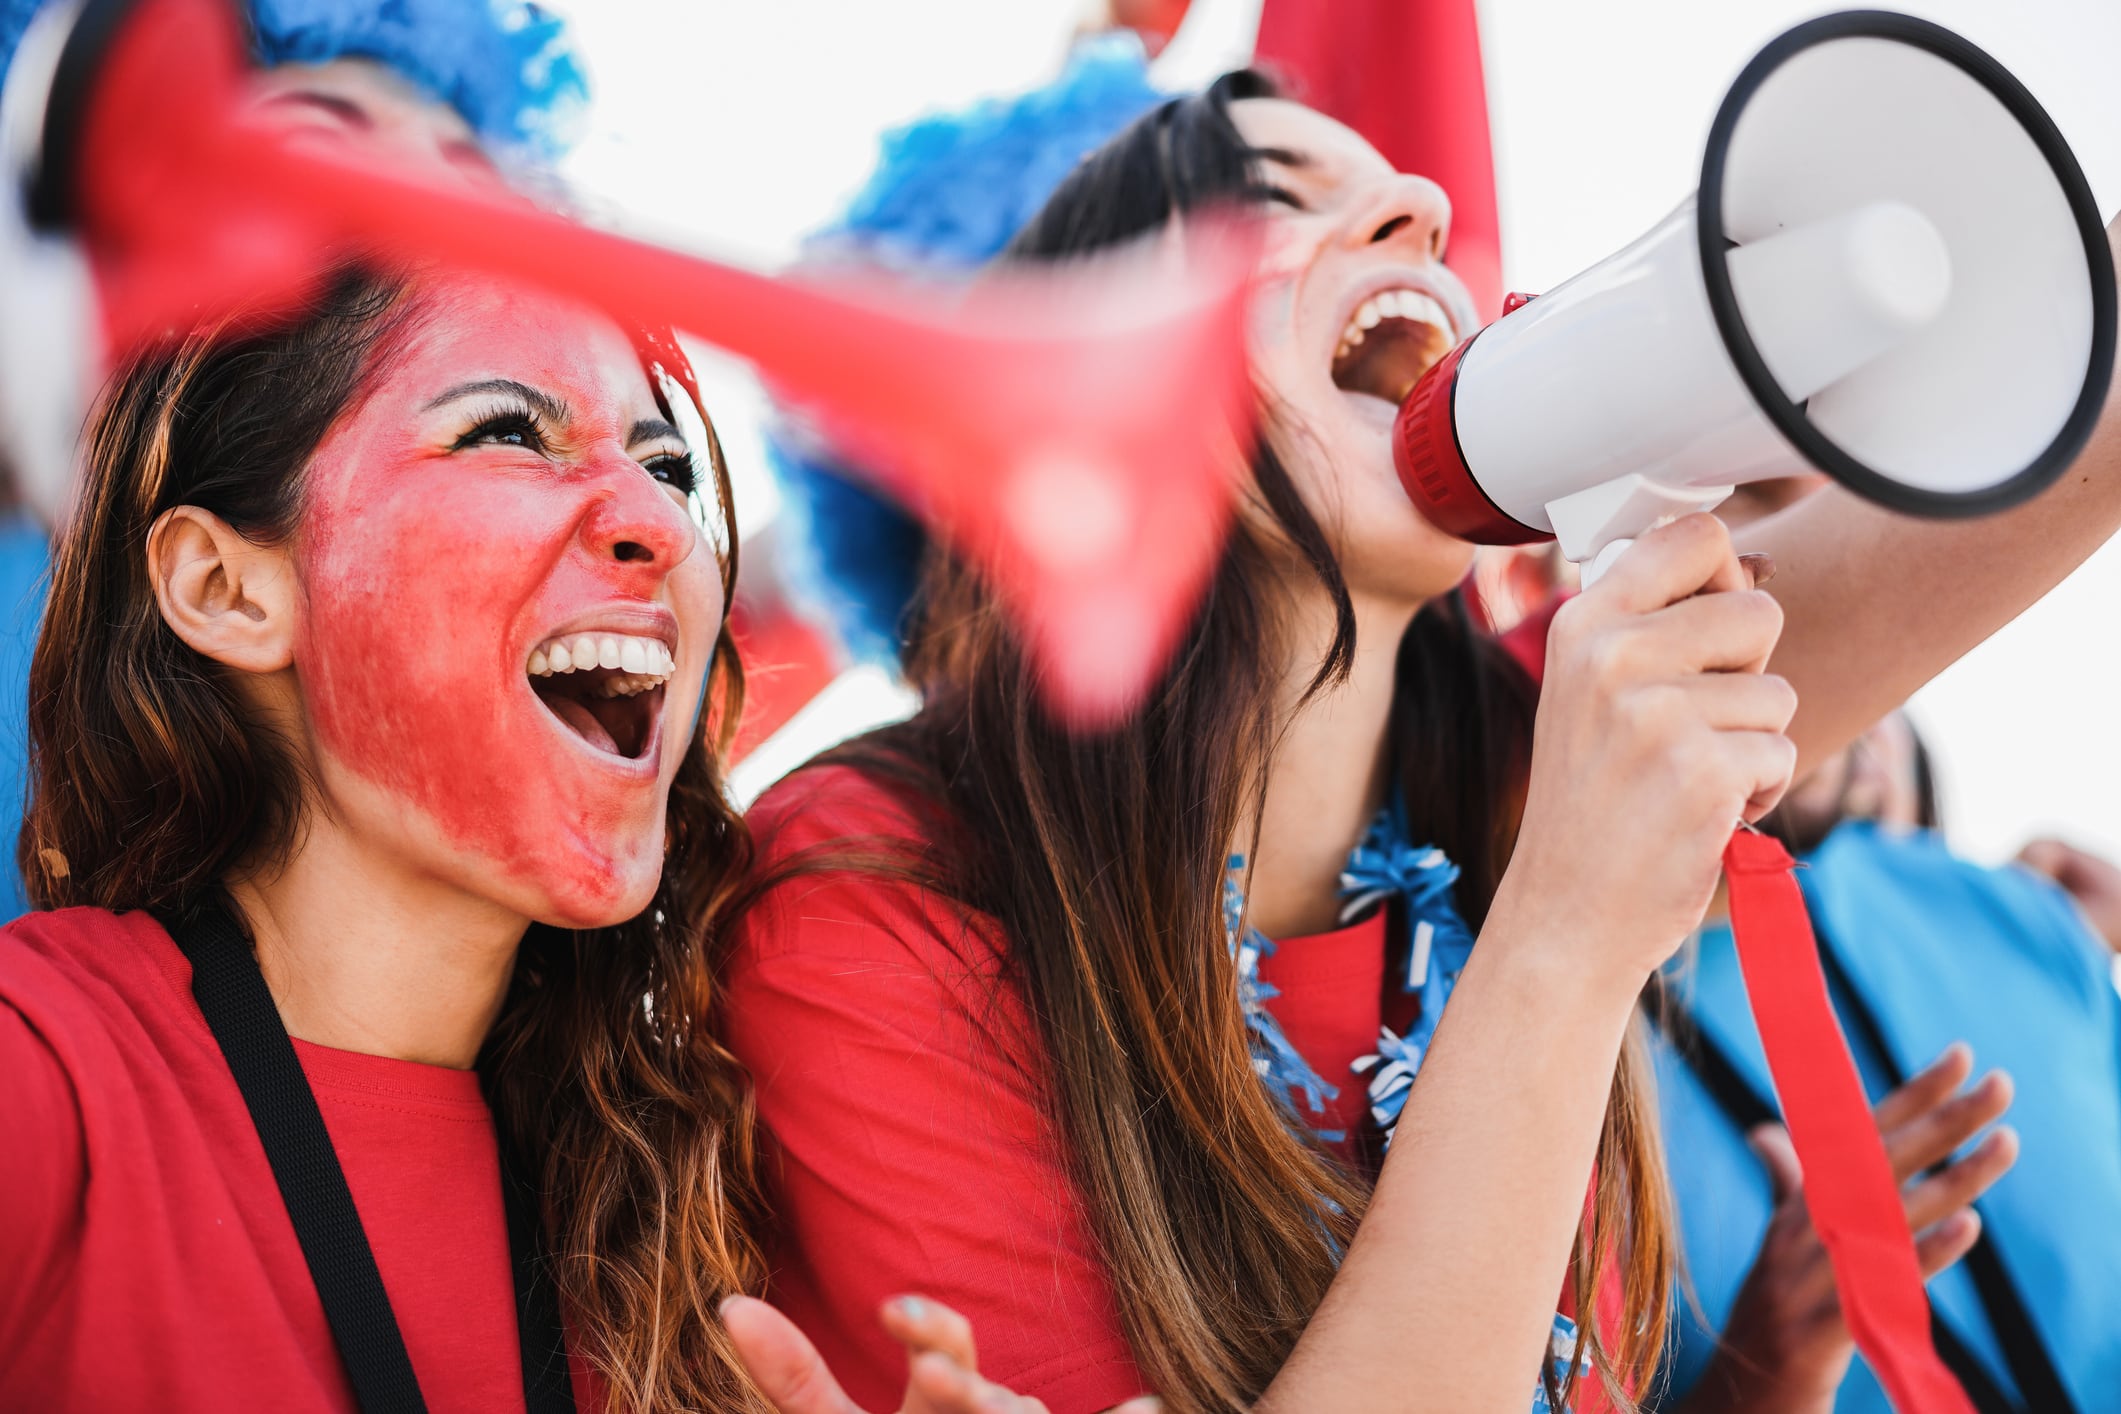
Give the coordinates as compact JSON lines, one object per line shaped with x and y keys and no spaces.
{"x":506,"y":65}
{"x":949,"y":193}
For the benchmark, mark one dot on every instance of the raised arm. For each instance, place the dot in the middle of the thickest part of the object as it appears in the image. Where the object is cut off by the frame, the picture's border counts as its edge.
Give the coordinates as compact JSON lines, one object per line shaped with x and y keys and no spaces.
{"x":1876,"y":604}
{"x":1656,"y":732}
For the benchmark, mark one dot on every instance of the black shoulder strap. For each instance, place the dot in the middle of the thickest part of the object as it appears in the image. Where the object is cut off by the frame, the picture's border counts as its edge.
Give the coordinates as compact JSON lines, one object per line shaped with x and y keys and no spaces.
{"x":239,"y":1010}
{"x":1747,"y":1108}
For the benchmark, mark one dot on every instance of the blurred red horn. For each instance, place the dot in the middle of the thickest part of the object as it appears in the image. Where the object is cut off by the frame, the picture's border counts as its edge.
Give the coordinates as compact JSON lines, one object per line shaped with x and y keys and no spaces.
{"x":1073,"y":430}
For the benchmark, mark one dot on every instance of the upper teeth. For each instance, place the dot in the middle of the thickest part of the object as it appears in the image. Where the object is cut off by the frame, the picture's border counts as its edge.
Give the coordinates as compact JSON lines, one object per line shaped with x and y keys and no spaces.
{"x":641,"y":662}
{"x":1394,"y":304}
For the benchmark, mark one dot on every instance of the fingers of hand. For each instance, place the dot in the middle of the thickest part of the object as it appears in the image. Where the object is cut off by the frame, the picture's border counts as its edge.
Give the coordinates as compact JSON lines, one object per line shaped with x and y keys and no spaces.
{"x":1779,"y":1157}
{"x":1763,"y":763}
{"x":939,"y":1385}
{"x":1934,"y":1134}
{"x":1935,"y":1084}
{"x":783,"y":1363}
{"x":1735,"y":632}
{"x":1942,"y":1194}
{"x":923,"y":1325}
{"x":1740,"y":702}
{"x":1947,"y":1242}
{"x":1675,"y":561}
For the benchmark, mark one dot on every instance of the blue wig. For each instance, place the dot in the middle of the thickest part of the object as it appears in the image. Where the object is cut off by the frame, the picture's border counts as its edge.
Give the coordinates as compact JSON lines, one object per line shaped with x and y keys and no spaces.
{"x":505,"y":65}
{"x":948,"y":193}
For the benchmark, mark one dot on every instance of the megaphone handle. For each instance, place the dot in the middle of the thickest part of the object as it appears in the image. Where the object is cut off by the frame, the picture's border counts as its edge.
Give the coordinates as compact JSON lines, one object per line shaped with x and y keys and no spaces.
{"x":1594,"y":569}
{"x":1849,"y":1188}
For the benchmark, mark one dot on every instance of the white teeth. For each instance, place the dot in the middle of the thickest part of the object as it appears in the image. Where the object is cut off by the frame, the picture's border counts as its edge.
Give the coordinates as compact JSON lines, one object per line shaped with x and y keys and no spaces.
{"x":1394,"y":304}
{"x":637,"y":663}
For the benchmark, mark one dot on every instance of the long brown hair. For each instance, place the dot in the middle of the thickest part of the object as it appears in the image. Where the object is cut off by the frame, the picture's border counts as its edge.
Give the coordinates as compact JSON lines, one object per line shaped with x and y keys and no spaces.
{"x":151,"y":784}
{"x":1103,"y":859}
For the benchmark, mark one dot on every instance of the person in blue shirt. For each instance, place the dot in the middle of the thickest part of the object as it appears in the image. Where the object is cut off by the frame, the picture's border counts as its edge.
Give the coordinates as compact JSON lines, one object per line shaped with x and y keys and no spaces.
{"x":1925,"y":953}
{"x":486,"y":87}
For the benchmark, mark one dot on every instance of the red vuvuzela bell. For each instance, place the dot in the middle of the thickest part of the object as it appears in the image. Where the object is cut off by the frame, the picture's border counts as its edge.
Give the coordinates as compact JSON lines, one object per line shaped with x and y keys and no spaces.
{"x":1073,"y":432}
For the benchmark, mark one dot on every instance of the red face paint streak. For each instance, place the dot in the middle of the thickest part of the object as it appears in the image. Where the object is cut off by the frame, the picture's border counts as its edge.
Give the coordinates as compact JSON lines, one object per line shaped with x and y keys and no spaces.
{"x":430,"y":574}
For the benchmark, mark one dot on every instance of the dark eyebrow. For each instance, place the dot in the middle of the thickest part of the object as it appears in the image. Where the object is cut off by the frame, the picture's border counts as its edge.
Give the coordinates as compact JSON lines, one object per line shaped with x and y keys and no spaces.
{"x":343,"y":108}
{"x":649,"y":429}
{"x":544,"y":404}
{"x":1283,"y":156}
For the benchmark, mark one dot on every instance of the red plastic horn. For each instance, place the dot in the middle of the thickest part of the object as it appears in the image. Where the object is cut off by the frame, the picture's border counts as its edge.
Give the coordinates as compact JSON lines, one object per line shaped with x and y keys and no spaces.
{"x":1071,"y":431}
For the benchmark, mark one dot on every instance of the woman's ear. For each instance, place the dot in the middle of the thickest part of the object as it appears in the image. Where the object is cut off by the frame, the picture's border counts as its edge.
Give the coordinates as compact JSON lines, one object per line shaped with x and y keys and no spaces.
{"x":230,"y":599}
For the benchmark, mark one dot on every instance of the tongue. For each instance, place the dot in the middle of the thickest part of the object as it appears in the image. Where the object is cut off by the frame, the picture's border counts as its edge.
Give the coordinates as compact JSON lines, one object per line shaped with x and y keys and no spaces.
{"x":577,"y":715}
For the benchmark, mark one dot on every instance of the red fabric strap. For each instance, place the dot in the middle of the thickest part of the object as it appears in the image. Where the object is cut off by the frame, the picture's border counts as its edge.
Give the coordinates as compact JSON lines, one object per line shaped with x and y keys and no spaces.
{"x":1848,"y":1181}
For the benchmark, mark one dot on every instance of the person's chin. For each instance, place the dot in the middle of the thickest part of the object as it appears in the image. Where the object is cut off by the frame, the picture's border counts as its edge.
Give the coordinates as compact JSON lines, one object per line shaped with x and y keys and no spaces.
{"x":603,"y":893}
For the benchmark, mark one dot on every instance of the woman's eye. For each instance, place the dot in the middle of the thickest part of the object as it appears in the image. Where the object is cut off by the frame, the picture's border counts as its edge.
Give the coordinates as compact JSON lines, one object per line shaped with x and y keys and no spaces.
{"x":675,"y":470}
{"x":507,"y":429}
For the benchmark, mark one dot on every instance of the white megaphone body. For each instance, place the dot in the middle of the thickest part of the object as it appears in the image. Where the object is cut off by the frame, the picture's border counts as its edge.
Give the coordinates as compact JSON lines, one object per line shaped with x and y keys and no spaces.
{"x":1893,"y":272}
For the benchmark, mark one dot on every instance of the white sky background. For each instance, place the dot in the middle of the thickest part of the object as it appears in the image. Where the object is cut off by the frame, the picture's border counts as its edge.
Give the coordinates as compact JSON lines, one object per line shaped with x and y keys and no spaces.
{"x":735,"y":126}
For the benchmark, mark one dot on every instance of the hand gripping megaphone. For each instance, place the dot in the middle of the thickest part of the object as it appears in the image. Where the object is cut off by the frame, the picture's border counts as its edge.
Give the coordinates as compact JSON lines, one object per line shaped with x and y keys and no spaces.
{"x":1892,"y":272}
{"x":1069,"y":430}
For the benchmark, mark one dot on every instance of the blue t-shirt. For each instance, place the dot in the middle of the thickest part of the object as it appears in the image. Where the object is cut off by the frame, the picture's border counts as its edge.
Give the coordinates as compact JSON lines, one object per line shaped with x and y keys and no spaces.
{"x":24,"y":556}
{"x":1941,"y":950}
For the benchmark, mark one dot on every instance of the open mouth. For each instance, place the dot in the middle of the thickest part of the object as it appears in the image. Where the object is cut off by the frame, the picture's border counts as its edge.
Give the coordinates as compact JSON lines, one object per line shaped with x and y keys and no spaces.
{"x":607,"y":688}
{"x":1390,"y":342}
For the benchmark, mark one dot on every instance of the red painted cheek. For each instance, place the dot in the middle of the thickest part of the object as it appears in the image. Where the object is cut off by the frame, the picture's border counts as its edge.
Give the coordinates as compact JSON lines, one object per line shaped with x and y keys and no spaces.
{"x":424,"y":592}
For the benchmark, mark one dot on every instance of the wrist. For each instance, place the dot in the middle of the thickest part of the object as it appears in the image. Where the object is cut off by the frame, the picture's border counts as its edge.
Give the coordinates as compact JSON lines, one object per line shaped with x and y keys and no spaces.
{"x":1552,"y":950}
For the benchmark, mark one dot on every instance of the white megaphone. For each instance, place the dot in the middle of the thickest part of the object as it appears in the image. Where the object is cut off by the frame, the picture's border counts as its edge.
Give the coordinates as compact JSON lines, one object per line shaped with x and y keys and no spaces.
{"x":1892,"y":272}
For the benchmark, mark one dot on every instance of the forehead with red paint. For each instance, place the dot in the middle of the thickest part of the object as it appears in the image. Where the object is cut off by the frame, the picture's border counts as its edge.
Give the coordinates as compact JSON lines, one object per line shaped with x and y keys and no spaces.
{"x":505,"y":476}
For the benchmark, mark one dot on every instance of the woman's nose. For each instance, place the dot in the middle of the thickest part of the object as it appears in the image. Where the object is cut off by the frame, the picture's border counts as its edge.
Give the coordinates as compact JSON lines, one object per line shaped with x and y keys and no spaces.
{"x":638,"y":523}
{"x":1408,"y":212}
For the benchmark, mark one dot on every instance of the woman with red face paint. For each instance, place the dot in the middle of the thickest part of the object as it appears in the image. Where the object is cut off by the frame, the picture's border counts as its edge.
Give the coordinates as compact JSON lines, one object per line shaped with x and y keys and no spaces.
{"x":1141,"y":1145}
{"x":364,"y":1060}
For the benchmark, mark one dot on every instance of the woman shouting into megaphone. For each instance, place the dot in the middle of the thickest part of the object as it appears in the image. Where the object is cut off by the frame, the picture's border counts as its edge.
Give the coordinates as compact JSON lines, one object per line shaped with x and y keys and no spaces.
{"x":1129,"y":1024}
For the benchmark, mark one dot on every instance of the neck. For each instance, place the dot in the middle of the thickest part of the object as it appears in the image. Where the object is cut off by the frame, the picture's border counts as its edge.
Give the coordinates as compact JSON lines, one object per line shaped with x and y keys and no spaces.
{"x":1330,"y":771}
{"x":361,"y":956}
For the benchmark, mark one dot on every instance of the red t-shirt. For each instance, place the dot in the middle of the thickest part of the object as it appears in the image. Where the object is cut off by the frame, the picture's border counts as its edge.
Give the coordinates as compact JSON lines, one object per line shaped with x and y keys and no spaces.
{"x":913,"y":1143}
{"x":914,"y":1148}
{"x":149,"y":1261}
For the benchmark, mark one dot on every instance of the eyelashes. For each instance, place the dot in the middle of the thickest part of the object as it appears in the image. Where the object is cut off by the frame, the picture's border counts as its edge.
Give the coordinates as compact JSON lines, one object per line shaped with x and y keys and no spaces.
{"x":505,"y":427}
{"x":513,"y":426}
{"x":675,"y":470}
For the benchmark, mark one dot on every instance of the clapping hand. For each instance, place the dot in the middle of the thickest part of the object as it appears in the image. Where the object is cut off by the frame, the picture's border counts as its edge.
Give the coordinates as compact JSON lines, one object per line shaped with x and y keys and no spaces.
{"x":1786,"y":1347}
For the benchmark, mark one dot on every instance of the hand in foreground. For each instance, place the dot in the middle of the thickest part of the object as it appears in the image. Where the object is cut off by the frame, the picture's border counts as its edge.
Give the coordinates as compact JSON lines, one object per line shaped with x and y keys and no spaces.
{"x":1658,"y":729}
{"x":1786,"y":1348}
{"x":942,"y":1375}
{"x":2093,"y":882}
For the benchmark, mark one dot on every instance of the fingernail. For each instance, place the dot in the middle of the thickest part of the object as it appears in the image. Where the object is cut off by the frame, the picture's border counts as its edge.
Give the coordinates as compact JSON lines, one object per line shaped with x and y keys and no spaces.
{"x":912,"y":1308}
{"x":1761,"y":566}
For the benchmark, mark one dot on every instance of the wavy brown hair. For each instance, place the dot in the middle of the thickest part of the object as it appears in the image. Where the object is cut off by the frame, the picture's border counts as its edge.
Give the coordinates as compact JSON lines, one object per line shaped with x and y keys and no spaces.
{"x":151,"y":784}
{"x":1103,"y":857}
